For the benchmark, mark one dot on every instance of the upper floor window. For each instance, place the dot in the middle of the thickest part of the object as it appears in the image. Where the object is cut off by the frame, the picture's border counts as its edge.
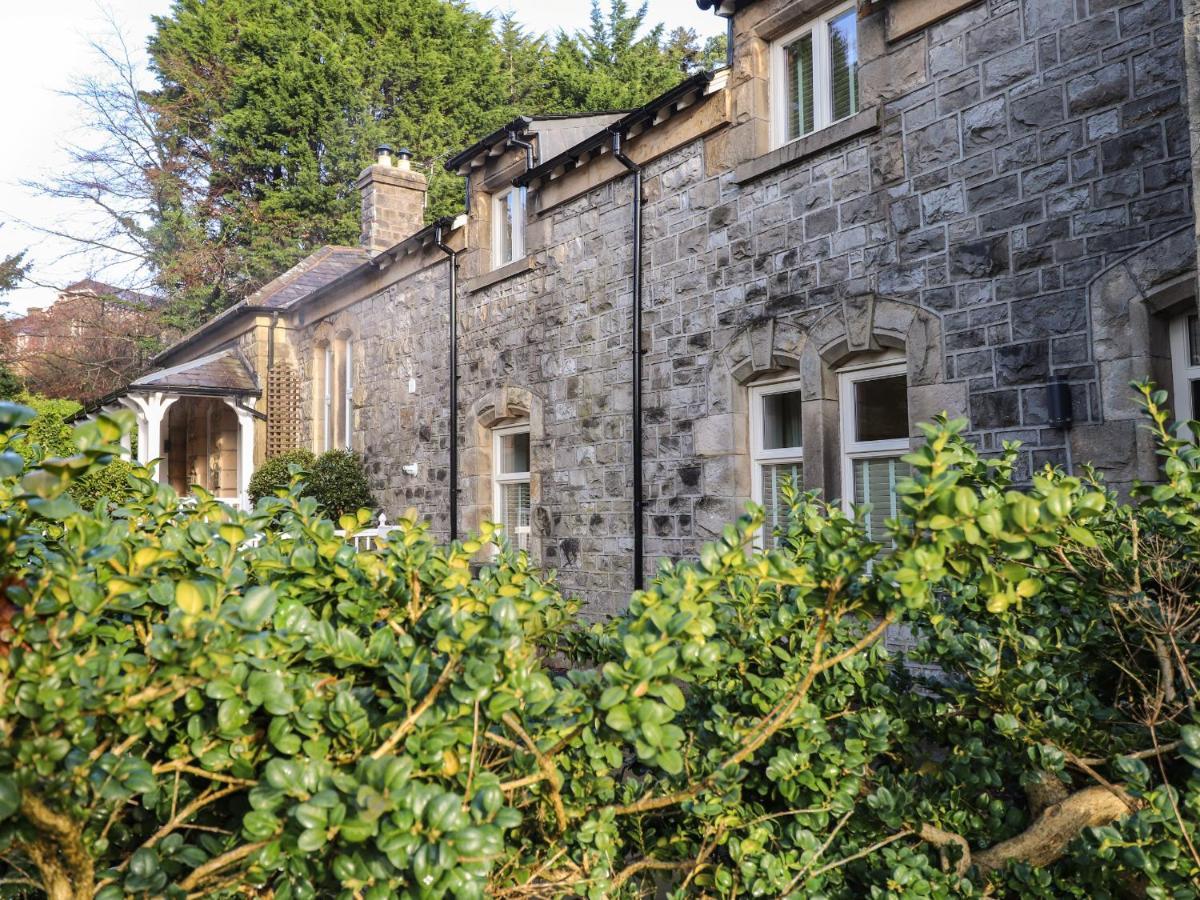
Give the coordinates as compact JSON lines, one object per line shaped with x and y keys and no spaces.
{"x":776,"y":449}
{"x":815,"y":74}
{"x":508,"y":226}
{"x":1185,"y":367}
{"x":511,"y":494}
{"x":874,"y":426}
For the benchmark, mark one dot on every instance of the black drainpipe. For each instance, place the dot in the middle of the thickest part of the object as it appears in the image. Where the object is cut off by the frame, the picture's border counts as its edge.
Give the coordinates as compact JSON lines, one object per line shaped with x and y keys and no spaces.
{"x":729,"y":42}
{"x":530,"y":162}
{"x":638,"y":551}
{"x":453,"y":254}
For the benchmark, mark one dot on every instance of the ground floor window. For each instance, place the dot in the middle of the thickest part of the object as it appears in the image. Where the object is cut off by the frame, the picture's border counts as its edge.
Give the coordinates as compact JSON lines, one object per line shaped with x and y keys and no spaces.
{"x":777,"y":450}
{"x":511,"y":493}
{"x":334,"y":383}
{"x":1185,"y":367}
{"x":874,"y":437}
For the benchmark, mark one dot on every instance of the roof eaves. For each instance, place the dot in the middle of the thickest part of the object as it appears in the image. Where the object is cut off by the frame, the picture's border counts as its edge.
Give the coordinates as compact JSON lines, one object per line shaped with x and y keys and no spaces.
{"x":460,"y":163}
{"x":646,"y":116}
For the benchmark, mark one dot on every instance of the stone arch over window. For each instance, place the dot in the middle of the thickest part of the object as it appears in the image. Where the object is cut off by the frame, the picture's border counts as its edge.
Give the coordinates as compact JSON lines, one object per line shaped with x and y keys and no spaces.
{"x":498,"y":408}
{"x":813,"y":348}
{"x":1131,"y":304}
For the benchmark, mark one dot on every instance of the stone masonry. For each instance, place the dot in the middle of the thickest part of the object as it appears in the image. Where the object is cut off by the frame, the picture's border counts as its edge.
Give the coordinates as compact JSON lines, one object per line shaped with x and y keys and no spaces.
{"x":1005,"y":211}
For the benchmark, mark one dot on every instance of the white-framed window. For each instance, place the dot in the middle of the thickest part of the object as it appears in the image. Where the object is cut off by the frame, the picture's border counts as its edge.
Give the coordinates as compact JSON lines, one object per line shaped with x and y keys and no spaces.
{"x":1185,"y":367}
{"x":776,"y":449}
{"x":874,"y":437}
{"x":814,"y":75}
{"x":327,"y":400}
{"x":508,"y":226}
{"x":510,"y":494}
{"x":348,"y":396}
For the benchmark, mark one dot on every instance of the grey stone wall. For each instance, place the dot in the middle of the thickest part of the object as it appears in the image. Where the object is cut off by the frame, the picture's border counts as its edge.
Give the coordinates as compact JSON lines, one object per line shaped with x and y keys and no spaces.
{"x":396,"y":335}
{"x":1038,"y":143}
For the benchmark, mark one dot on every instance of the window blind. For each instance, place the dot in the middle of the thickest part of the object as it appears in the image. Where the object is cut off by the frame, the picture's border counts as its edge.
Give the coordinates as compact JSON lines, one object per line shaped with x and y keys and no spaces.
{"x":775,"y":508}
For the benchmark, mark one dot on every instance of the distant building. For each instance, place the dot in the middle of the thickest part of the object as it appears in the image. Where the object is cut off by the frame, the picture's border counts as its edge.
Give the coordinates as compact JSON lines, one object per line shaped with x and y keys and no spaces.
{"x":90,"y":341}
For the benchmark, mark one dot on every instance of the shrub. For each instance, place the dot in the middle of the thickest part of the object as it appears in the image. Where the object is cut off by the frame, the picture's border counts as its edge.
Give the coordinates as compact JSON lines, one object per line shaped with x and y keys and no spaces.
{"x":338,"y":482}
{"x":198,"y":704}
{"x":274,"y":476}
{"x":48,"y":434}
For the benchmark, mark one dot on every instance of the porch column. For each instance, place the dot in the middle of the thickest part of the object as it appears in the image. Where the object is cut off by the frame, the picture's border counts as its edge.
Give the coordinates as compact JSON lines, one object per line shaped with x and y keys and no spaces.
{"x":126,"y":439}
{"x":245,"y":451}
{"x":150,"y":409}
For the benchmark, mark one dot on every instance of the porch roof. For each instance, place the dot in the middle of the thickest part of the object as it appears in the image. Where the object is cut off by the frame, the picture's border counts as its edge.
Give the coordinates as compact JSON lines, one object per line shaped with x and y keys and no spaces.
{"x":222,"y":373}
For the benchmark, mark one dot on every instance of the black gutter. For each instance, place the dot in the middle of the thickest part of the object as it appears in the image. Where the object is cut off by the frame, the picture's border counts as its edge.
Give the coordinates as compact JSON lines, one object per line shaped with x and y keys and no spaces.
{"x":638,"y":490}
{"x":520,"y":123}
{"x":699,"y":81}
{"x":453,"y":254}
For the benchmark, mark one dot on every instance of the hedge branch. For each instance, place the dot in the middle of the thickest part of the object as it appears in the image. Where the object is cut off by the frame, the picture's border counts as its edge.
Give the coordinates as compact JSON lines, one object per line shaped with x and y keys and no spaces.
{"x":411,"y":720}
{"x":774,"y":720}
{"x":61,"y":840}
{"x":217,"y":863}
{"x":1046,"y":839}
{"x":549,"y":770}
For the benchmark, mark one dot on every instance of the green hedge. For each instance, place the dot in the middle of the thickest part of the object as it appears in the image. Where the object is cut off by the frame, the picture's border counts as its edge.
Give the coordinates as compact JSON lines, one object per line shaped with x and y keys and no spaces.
{"x":199,"y":702}
{"x":336,"y":480}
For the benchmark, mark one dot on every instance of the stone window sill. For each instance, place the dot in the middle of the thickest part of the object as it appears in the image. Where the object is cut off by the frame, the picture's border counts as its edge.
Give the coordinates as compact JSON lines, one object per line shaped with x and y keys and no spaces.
{"x":508,"y":270}
{"x":806,"y":147}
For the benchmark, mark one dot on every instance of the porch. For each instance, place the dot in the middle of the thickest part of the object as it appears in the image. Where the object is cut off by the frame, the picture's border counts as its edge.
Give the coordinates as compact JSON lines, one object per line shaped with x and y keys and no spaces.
{"x":198,"y":421}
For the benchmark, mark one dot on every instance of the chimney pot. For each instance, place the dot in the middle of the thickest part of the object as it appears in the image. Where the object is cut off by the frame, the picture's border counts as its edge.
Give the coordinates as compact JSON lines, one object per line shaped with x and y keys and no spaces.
{"x":393,"y":200}
{"x":404,"y":158}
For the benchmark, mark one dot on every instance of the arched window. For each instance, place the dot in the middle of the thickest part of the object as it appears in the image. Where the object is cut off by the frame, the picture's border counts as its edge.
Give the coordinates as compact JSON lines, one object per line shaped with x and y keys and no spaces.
{"x":1185,"y":366}
{"x":776,"y":447}
{"x":873,"y":406}
{"x":511,"y":499}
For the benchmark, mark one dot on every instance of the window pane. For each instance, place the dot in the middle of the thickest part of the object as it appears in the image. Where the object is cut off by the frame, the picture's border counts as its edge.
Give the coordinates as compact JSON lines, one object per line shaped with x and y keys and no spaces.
{"x":504,"y":231}
{"x":843,"y":56}
{"x":799,"y":61}
{"x":781,"y":420}
{"x":514,"y":453}
{"x":773,"y":479}
{"x":1195,"y":386}
{"x":875,"y":484}
{"x":881,"y":409}
{"x":1193,"y":332}
{"x":514,"y":512}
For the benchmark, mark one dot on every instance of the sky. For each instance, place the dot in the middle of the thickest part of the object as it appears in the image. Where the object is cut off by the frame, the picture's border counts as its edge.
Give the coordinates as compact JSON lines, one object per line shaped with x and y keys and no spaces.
{"x":46,"y":45}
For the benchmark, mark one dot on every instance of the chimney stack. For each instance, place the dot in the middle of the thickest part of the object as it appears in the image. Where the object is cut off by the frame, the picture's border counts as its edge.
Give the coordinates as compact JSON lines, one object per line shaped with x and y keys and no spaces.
{"x":393,"y":200}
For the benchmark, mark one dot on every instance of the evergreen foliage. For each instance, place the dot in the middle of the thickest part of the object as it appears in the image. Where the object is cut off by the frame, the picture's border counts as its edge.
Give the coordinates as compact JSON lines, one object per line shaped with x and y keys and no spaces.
{"x":200,"y":702}
{"x":275,"y":474}
{"x":336,"y":479}
{"x":48,"y":434}
{"x":265,"y":112}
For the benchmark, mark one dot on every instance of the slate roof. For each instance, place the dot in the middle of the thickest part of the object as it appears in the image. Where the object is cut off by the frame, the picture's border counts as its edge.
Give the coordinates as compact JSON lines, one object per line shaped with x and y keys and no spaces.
{"x":317,"y":270}
{"x":306,"y":276}
{"x":223,"y":372}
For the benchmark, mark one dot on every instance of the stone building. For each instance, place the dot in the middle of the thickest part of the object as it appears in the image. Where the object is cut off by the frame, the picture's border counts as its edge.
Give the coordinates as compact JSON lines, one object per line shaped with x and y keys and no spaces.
{"x":877,"y":211}
{"x":91,"y":340}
